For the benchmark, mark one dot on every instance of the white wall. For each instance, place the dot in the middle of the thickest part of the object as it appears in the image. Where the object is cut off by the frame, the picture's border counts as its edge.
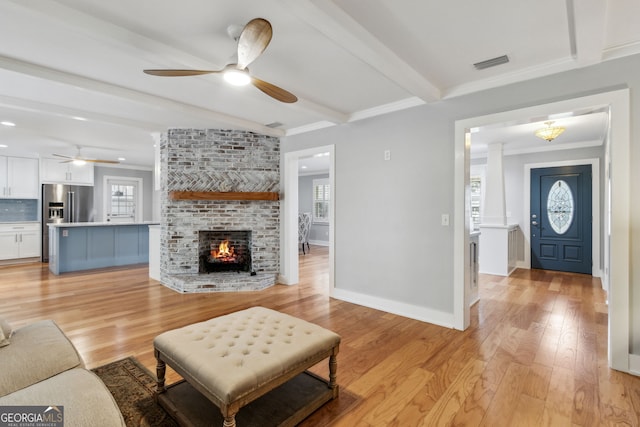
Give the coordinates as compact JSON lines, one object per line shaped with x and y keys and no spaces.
{"x":397,"y":204}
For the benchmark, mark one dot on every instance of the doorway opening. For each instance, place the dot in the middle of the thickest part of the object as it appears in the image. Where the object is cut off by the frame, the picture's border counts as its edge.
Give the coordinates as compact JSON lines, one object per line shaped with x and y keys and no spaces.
{"x":123,"y":199}
{"x":315,"y":194}
{"x":617,"y":221}
{"x":291,"y":249}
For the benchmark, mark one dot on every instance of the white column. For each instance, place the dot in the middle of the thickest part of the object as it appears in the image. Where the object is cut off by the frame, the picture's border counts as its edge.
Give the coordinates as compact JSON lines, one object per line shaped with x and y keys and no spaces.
{"x":495,"y":211}
{"x":156,"y":160}
{"x":494,"y":231}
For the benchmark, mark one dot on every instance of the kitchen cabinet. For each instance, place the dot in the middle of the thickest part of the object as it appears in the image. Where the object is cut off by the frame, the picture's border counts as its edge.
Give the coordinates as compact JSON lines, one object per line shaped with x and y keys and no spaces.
{"x":83,"y":246}
{"x":55,"y":171}
{"x":18,"y":178}
{"x":19,"y":240}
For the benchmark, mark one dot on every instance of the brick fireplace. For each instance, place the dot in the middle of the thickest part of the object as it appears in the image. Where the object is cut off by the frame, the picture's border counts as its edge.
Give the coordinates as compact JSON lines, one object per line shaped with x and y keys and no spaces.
{"x":206,"y":161}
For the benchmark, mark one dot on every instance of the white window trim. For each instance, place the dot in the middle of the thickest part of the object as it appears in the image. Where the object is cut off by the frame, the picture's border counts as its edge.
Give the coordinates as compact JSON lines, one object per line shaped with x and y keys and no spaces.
{"x":320,"y":181}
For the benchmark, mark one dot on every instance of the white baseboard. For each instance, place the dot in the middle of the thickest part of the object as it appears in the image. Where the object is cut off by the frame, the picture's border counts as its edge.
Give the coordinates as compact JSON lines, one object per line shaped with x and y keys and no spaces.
{"x":634,"y":364}
{"x":402,"y":309}
{"x":319,"y":242}
{"x":20,"y":261}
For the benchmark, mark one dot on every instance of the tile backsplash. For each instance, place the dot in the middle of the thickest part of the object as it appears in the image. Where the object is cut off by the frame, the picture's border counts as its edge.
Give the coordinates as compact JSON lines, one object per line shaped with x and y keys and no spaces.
{"x":16,"y":210}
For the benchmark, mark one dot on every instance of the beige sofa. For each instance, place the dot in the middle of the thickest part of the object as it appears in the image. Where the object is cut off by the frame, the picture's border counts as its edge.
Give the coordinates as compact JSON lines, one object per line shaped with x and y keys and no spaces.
{"x":41,"y":367}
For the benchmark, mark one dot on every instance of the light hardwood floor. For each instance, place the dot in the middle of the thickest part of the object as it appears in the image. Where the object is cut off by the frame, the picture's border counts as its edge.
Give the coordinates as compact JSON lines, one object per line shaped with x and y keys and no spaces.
{"x":535,"y":354}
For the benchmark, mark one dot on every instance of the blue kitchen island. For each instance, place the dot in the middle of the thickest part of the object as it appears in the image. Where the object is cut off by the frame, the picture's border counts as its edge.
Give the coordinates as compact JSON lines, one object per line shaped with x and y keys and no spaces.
{"x":89,"y":245}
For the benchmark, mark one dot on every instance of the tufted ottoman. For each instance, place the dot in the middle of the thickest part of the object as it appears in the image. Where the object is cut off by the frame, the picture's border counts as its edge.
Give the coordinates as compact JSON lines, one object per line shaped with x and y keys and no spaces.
{"x":239,"y":358}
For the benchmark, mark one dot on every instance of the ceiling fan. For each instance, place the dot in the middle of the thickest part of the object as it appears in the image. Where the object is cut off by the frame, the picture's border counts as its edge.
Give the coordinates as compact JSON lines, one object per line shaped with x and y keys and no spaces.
{"x":78,"y":159}
{"x":253,"y":40}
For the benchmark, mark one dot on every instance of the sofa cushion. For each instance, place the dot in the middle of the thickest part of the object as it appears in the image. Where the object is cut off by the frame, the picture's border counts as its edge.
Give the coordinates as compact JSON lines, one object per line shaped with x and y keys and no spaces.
{"x":37,"y":351}
{"x":86,"y":400}
{"x":5,"y":332}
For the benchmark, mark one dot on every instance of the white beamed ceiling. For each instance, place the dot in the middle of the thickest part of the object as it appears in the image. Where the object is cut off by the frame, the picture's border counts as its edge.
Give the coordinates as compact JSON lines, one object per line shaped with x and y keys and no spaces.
{"x":344,"y":59}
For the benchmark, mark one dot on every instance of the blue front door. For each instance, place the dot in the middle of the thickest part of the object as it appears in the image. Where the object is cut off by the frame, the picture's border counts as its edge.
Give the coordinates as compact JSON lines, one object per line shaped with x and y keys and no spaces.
{"x":561,"y":219}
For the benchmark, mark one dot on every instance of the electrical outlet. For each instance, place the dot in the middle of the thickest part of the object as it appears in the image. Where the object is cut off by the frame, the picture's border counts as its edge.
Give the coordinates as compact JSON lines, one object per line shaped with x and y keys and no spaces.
{"x":387,"y":154}
{"x":65,"y":233}
{"x":445,"y":219}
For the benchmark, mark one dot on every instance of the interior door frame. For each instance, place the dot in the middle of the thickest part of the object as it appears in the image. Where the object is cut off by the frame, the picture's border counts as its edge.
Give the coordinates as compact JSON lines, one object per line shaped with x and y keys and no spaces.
{"x":139,"y":196}
{"x":616,"y":246}
{"x":595,"y":208}
{"x":289,"y":216}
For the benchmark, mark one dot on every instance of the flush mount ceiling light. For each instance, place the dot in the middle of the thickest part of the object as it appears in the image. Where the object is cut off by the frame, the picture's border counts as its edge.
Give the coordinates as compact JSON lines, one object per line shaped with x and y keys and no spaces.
{"x":10,"y":124}
{"x":550,"y":132}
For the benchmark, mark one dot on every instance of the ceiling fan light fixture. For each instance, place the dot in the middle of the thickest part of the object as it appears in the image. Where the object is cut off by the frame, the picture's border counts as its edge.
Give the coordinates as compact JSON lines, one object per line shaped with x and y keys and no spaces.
{"x":79,"y":162}
{"x":237,"y":77}
{"x":550,"y":132}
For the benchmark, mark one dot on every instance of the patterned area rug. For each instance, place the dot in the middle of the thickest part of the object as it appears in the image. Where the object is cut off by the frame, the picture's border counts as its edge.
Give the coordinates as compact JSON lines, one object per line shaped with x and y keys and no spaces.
{"x":132,"y":386}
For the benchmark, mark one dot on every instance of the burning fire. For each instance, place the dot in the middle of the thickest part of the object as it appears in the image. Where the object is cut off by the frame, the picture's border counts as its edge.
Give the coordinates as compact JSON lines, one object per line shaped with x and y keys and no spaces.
{"x":225,"y":252}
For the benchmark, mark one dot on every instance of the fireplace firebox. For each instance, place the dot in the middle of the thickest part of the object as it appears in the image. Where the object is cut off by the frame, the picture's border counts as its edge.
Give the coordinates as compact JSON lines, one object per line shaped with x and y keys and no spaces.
{"x":224,"y":251}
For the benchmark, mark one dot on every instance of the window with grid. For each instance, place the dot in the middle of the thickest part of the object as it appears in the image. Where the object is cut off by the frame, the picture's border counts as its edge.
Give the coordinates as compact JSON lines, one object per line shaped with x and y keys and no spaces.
{"x":122,"y":201}
{"x":321,"y":200}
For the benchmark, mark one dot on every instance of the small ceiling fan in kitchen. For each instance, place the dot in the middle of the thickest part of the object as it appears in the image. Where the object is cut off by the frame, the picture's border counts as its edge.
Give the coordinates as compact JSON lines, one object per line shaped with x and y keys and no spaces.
{"x":253,"y":40}
{"x":78,"y":159}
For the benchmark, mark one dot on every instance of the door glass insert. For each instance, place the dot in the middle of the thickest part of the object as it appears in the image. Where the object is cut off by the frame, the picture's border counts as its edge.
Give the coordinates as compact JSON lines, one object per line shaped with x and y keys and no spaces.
{"x":123,"y":202}
{"x":560,"y":206}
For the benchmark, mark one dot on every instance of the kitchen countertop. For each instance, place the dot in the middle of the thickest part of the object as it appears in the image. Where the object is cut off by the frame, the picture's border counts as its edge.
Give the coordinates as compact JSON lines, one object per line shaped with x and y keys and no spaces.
{"x":19,"y":222}
{"x":100,"y":224}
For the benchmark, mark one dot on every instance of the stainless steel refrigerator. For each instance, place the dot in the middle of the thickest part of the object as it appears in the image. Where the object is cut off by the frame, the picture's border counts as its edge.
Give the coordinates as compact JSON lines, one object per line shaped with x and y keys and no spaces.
{"x":64,"y":203}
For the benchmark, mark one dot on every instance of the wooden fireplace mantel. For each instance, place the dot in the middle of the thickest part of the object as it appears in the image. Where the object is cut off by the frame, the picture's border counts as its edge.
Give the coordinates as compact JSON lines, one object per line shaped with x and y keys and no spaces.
{"x":229,"y":195}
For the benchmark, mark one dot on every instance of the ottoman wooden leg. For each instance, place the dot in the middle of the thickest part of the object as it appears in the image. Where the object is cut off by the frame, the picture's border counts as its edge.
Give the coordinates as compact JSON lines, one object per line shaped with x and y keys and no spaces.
{"x":161,"y":368}
{"x":333,"y":369}
{"x":229,"y":421}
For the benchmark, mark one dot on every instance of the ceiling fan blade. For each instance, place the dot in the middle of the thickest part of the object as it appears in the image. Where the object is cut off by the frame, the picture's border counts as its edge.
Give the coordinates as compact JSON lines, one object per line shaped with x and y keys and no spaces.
{"x":274,"y":91}
{"x":63,"y":156}
{"x":179,"y":73}
{"x":254,"y":39}
{"x":101,"y":161}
